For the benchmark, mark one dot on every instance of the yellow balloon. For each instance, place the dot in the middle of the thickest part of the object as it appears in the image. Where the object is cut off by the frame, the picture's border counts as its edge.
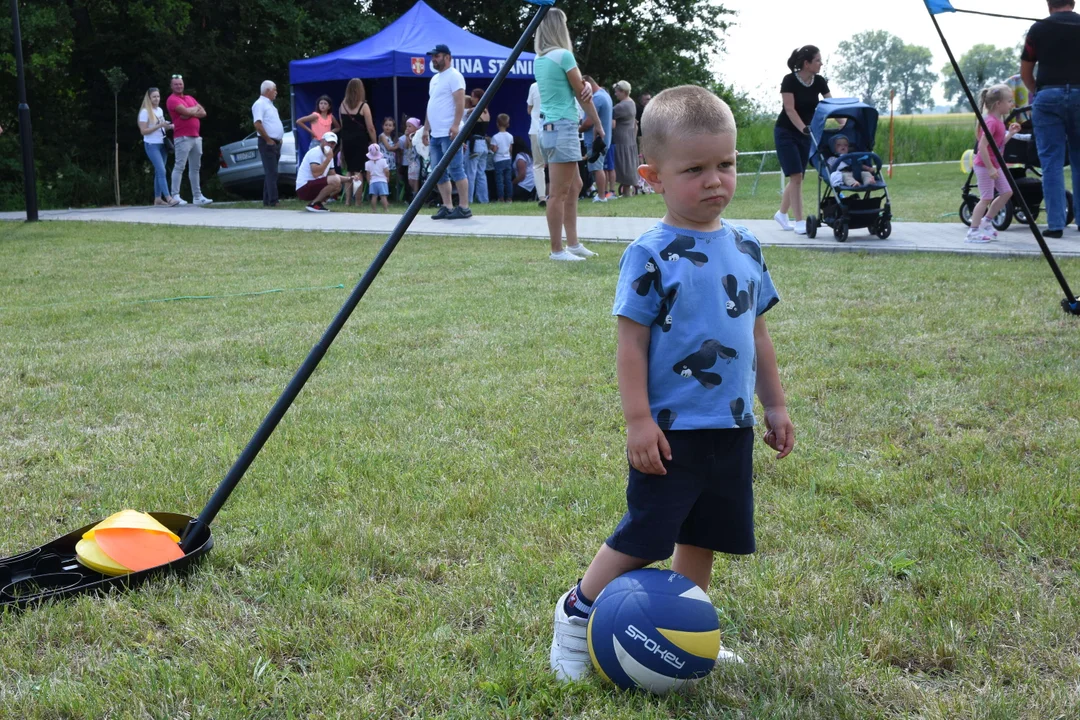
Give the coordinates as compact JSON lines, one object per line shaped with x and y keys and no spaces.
{"x":966,"y":160}
{"x":90,"y":555}
{"x":131,"y":519}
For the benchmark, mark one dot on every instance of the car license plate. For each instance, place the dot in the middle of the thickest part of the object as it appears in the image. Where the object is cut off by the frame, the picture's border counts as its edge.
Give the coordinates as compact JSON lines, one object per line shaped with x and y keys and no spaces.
{"x":248,"y":155}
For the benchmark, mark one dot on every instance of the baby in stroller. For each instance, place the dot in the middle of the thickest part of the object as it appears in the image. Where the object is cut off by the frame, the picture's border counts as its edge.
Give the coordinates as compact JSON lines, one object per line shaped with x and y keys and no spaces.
{"x":842,"y":165}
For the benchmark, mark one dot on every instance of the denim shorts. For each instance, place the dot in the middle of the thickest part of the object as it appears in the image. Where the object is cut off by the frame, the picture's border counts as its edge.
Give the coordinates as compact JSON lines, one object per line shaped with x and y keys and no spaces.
{"x":378,"y":188}
{"x":561,"y":144}
{"x":438,"y":148}
{"x":792,"y":150}
{"x":706,"y":499}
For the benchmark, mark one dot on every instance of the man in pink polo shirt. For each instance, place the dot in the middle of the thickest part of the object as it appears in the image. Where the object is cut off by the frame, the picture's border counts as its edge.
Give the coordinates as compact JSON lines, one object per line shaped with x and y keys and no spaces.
{"x":186,"y":113}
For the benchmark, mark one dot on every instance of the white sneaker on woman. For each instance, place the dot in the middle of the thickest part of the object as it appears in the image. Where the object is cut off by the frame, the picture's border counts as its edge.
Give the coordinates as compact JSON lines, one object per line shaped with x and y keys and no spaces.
{"x":580,"y":250}
{"x":782,"y":220}
{"x":800,"y":227}
{"x":564,"y":255}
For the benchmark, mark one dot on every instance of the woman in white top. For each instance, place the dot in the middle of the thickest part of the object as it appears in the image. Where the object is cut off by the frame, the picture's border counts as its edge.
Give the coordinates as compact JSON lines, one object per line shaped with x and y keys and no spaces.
{"x":152,"y":125}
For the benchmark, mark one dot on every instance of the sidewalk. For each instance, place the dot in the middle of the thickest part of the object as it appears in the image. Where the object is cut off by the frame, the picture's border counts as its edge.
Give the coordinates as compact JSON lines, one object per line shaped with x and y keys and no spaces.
{"x":906,"y":236}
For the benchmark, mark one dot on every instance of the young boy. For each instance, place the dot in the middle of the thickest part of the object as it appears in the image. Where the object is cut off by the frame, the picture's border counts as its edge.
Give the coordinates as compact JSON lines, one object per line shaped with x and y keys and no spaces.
{"x":501,"y":143}
{"x":692,"y":347}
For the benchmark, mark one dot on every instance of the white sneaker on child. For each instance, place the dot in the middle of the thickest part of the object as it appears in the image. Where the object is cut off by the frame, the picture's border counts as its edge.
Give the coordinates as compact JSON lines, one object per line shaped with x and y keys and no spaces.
{"x":729,"y":656}
{"x":563,"y":255}
{"x":975,"y":235}
{"x":987,"y":229}
{"x":569,"y":645}
{"x":782,"y":220}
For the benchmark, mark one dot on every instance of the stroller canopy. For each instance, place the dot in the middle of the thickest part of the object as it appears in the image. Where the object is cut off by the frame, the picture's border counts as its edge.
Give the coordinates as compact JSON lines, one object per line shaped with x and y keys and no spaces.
{"x":860,"y":128}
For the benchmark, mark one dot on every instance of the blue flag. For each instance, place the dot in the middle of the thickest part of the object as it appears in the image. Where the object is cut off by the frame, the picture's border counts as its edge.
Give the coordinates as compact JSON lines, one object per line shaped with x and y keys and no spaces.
{"x":939,"y":6}
{"x":541,"y":2}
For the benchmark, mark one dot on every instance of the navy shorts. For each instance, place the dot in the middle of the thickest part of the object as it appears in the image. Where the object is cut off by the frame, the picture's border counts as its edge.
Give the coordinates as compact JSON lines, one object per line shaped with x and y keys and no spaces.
{"x":792,"y":150}
{"x":706,"y":499}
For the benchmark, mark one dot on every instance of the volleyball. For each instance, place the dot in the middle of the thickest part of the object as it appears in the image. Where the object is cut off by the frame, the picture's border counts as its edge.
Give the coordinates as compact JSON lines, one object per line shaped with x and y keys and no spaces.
{"x":653,"y":630}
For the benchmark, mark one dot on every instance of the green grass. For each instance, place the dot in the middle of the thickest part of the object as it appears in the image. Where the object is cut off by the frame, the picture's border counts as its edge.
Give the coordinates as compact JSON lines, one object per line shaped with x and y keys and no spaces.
{"x":451,"y":468}
{"x":923,"y":193}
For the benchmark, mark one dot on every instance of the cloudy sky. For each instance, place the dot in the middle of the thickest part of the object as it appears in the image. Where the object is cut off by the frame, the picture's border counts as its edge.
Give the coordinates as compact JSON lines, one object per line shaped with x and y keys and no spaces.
{"x":766,"y":31}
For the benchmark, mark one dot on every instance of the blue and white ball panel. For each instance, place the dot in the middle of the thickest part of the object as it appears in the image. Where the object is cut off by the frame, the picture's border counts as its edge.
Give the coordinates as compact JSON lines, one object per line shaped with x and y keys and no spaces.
{"x":653,"y":629}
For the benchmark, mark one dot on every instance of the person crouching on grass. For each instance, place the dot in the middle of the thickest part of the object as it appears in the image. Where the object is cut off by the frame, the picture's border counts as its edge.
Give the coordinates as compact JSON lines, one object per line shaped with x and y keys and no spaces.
{"x":316,"y":180}
{"x":692,"y":349}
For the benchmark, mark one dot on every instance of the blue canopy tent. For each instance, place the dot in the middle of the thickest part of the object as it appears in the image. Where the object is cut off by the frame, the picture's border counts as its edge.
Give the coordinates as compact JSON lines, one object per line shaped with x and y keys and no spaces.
{"x":396,"y":71}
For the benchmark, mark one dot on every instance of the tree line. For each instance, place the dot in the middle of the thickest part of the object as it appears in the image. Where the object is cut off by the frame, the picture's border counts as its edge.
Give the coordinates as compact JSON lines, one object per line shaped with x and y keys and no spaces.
{"x":875,"y":62}
{"x":225,"y":48}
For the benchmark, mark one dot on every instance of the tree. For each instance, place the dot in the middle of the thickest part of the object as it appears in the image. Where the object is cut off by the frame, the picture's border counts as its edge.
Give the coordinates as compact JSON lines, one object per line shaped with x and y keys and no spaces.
{"x":115,"y":79}
{"x":982,"y":65}
{"x":909,"y":74}
{"x":864,"y":67}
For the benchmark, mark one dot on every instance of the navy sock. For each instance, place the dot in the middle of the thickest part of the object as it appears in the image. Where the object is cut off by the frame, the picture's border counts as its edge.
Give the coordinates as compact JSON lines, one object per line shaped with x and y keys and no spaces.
{"x":577,"y":605}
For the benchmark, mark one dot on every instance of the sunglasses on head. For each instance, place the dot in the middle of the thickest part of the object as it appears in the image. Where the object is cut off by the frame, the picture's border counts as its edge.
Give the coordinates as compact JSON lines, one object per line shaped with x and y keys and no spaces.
{"x":177,"y":77}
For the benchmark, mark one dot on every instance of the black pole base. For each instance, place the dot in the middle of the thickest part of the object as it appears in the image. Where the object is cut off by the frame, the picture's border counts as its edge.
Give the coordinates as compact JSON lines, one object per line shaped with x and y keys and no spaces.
{"x":1072,"y":307}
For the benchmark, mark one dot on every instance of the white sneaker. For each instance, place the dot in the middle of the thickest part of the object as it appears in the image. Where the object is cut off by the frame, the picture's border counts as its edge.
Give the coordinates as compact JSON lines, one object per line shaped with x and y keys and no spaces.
{"x":202,"y":200}
{"x":564,"y":255}
{"x":580,"y":250}
{"x":782,"y":220}
{"x":597,"y":198}
{"x":800,"y":227}
{"x":569,"y":645}
{"x":729,"y":656}
{"x":180,"y":200}
{"x":975,"y":235}
{"x":987,"y":229}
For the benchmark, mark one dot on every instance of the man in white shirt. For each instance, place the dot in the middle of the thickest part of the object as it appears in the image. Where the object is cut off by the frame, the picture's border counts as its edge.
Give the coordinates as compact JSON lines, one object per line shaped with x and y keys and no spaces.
{"x":446,"y":105}
{"x":539,"y":164}
{"x":315,"y":176}
{"x":271,"y":131}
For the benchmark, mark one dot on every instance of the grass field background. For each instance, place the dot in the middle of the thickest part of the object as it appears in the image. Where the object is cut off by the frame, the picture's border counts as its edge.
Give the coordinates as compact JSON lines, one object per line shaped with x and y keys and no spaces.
{"x":396,"y":549}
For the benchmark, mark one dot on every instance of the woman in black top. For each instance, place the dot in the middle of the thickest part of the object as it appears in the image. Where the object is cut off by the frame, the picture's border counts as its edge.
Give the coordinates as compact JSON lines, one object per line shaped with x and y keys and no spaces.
{"x":800,"y":91}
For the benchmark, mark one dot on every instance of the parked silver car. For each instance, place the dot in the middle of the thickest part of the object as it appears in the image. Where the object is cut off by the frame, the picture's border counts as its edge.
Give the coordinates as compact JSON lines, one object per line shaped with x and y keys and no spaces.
{"x":240,"y":168}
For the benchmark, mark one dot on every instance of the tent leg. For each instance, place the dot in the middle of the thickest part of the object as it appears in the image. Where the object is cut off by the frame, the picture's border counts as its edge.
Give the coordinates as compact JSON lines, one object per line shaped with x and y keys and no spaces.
{"x":397,"y":118}
{"x":292,"y":126}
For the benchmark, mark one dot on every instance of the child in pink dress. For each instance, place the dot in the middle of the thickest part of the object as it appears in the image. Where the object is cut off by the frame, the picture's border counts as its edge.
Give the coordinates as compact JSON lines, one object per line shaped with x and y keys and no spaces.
{"x":996,"y":102}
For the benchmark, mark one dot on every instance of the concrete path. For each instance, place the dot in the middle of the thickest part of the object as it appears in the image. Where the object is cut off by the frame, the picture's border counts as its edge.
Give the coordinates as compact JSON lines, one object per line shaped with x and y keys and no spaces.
{"x":906,"y":236}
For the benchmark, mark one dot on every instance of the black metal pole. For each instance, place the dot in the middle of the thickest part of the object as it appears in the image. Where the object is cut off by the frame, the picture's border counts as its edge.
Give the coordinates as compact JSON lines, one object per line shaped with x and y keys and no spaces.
{"x":27,"y":139}
{"x":270,"y":422}
{"x":1069,"y":303}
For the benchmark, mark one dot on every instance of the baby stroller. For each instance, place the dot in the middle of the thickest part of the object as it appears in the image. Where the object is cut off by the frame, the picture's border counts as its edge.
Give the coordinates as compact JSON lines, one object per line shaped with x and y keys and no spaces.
{"x":846,"y":208}
{"x":1023,"y":164}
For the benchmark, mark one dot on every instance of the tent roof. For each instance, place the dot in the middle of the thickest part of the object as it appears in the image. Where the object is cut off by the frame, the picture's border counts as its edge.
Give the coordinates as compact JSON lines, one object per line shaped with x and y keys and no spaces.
{"x":400,"y":50}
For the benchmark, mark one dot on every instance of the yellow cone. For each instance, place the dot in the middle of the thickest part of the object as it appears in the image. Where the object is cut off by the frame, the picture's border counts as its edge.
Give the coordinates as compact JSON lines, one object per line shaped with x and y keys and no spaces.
{"x":90,"y":555}
{"x":131,"y":519}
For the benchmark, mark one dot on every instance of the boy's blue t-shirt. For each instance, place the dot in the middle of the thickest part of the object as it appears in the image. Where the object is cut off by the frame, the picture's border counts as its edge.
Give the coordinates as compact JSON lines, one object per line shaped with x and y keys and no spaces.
{"x":701,"y":294}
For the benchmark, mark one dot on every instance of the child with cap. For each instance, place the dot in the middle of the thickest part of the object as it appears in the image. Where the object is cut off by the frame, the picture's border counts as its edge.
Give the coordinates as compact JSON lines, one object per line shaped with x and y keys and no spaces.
{"x":692,"y":349}
{"x":377,"y":170}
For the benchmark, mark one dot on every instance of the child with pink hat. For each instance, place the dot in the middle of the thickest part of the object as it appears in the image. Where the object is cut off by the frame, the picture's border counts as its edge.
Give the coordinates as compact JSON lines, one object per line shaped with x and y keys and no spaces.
{"x":378,"y":173}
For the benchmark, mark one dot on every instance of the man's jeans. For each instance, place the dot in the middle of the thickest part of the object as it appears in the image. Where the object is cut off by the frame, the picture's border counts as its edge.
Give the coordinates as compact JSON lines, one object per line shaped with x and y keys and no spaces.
{"x":188,"y":152}
{"x":474,"y":170}
{"x":1056,"y":121}
{"x":270,"y":155}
